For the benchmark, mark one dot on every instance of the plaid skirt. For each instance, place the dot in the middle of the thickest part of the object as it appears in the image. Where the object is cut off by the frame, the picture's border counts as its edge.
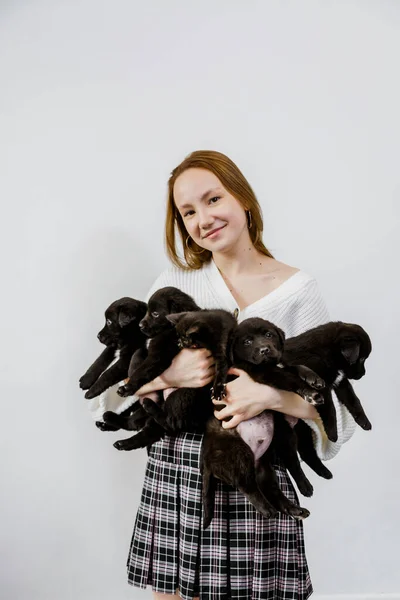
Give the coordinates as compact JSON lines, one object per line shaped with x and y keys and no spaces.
{"x":242,"y":555}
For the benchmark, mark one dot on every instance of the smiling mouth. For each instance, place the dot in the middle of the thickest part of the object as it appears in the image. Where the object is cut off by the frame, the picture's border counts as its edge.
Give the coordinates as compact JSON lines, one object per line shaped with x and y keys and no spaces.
{"x":211,"y":233}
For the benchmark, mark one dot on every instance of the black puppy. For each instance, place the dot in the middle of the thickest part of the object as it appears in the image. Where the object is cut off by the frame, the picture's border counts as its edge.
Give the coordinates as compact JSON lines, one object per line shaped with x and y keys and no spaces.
{"x":188,"y":409}
{"x":122,"y":336}
{"x":183,"y":410}
{"x":212,"y":329}
{"x":256,"y":347}
{"x":337,"y":352}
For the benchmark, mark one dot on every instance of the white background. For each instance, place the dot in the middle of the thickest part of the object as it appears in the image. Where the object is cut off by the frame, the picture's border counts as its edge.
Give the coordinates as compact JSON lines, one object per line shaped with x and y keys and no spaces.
{"x":99,"y":101}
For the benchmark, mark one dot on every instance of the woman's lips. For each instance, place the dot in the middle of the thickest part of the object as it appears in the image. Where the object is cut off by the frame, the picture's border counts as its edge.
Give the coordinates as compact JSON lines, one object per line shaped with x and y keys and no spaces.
{"x":214,"y":233}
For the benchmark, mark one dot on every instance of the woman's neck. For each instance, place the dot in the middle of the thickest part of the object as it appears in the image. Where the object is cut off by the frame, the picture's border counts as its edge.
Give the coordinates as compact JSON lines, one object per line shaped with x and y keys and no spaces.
{"x":242,"y":259}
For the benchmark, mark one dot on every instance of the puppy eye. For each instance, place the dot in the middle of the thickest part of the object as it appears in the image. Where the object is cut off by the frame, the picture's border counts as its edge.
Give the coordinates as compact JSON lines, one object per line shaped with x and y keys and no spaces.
{"x":108,"y":322}
{"x":268,"y":334}
{"x":155,"y":314}
{"x":248,"y":342}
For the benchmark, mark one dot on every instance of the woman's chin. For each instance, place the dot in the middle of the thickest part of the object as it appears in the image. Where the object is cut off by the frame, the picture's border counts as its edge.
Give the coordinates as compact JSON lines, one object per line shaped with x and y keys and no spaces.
{"x":222,"y":247}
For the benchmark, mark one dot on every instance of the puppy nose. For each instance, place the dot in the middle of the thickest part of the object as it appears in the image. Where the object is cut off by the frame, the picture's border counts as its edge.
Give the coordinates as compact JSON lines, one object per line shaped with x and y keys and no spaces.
{"x":265,"y":350}
{"x":99,"y":336}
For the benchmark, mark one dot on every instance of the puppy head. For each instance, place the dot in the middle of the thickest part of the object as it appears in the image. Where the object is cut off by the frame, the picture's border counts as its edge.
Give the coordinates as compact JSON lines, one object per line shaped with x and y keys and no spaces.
{"x":122,"y":316}
{"x":257,"y":341}
{"x":162,"y":303}
{"x":353,"y":348}
{"x":192,"y":332}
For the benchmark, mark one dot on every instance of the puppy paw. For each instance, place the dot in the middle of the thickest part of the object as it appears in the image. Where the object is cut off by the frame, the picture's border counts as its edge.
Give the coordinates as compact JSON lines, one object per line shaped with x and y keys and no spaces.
{"x":119,"y":445}
{"x":312,"y":396}
{"x":86,"y":381}
{"x":310,"y":377}
{"x":332,"y":434}
{"x":112,"y":419}
{"x":92,"y":393}
{"x":301,"y":513}
{"x":305,"y":488}
{"x":363,"y":422}
{"x":127,"y":444}
{"x":315,"y":381}
{"x":218,"y":391}
{"x":105,"y":427}
{"x":124,"y":391}
{"x":150,"y":407}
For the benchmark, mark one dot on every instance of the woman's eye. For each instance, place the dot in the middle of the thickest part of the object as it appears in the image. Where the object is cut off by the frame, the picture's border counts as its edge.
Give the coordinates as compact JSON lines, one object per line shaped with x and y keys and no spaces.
{"x":187,"y":214}
{"x":214,"y":198}
{"x":108,"y":322}
{"x":248,"y":342}
{"x":268,"y":334}
{"x":155,"y":314}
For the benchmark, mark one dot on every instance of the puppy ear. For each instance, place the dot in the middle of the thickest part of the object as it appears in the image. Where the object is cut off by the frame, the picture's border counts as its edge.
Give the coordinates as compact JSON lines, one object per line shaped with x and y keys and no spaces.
{"x":124,"y":318}
{"x":281,"y":335}
{"x":174,"y":318}
{"x":350,"y":348}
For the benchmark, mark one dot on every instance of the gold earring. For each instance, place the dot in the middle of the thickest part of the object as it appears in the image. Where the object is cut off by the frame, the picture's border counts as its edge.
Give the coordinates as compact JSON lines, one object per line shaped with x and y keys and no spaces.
{"x":191,"y":249}
{"x":248,"y":213}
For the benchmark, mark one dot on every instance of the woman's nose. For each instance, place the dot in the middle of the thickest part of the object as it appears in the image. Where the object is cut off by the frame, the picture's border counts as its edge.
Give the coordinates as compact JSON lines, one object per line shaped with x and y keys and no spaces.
{"x":205,"y":222}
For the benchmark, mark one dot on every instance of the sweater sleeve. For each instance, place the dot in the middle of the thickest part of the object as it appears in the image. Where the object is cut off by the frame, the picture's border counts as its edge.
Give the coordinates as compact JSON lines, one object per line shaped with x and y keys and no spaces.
{"x":310,"y":310}
{"x":166,"y":278}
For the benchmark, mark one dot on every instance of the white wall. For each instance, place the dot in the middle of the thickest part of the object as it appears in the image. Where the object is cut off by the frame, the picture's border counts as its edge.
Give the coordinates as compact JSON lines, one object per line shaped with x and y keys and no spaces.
{"x":99,"y":101}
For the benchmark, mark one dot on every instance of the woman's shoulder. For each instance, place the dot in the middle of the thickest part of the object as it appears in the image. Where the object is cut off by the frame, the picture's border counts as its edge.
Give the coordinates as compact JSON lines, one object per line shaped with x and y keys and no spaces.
{"x":174,"y":276}
{"x":284,"y":273}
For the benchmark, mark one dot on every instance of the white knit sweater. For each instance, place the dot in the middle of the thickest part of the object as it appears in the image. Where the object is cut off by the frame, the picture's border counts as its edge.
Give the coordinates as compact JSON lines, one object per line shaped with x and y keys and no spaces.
{"x":295,"y":306}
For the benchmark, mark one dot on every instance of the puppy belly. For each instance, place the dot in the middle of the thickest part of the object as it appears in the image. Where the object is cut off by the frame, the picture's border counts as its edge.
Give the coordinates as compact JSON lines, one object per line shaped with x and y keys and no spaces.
{"x":257,"y":433}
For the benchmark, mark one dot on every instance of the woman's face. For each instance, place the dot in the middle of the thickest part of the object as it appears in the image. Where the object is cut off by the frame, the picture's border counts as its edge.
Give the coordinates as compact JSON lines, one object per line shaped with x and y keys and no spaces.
{"x":212,"y":216}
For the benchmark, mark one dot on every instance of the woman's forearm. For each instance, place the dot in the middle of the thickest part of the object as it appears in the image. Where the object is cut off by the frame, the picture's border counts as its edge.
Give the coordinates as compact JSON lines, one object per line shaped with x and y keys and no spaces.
{"x":294,"y":405}
{"x":153,"y":386}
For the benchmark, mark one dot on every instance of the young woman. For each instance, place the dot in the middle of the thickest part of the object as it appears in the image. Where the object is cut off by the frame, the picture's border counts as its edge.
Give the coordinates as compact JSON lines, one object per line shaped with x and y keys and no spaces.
{"x":242,"y":555}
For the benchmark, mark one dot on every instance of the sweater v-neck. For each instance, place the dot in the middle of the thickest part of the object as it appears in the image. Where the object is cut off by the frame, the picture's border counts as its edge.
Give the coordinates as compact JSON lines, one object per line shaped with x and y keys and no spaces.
{"x":229,"y":302}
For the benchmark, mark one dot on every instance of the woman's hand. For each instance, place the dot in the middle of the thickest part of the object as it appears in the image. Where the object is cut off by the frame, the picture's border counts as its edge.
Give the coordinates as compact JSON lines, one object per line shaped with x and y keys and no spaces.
{"x":191,"y":368}
{"x":245,"y":398}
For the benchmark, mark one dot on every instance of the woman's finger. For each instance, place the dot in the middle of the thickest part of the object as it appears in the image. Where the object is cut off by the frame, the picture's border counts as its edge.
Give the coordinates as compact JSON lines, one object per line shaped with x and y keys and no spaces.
{"x":218,"y":402}
{"x":222,"y":414}
{"x":235,"y":371}
{"x":236,"y":419}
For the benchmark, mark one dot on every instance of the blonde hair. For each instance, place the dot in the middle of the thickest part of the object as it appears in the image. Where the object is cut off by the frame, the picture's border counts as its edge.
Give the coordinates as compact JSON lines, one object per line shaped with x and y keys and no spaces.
{"x":234,"y":182}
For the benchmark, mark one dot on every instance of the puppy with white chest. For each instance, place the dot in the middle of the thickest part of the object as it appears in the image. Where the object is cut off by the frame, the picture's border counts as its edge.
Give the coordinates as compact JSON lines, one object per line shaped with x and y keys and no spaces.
{"x":122,"y":336}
